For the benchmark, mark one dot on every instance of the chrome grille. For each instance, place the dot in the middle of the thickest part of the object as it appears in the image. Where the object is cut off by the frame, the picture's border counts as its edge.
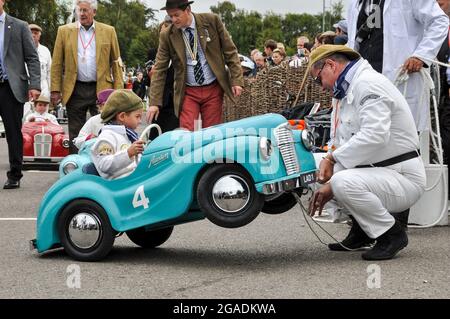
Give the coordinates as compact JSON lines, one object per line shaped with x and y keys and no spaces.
{"x":285,"y":141}
{"x":42,"y":145}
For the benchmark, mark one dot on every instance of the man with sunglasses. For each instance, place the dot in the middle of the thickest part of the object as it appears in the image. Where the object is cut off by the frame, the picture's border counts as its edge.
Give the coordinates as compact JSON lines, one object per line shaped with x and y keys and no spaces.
{"x":373,"y":168}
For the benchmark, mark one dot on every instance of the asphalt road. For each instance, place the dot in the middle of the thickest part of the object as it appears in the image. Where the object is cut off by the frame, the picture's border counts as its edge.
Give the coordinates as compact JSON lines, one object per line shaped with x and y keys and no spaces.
{"x":273,"y":257}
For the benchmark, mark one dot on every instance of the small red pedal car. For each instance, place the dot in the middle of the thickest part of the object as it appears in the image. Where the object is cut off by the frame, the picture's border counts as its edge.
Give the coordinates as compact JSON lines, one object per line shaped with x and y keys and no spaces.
{"x":44,"y":143}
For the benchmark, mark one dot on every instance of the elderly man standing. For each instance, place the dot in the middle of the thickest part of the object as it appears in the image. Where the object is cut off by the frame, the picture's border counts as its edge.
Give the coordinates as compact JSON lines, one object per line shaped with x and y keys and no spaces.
{"x":374,"y":168}
{"x":200,"y":49}
{"x":408,"y":34}
{"x":45,"y":58}
{"x":86,"y":60}
{"x":16,"y":86}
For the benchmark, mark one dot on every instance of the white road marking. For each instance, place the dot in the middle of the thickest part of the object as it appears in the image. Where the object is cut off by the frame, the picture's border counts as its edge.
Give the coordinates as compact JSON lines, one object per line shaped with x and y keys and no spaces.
{"x":44,"y":172}
{"x":17,"y":219}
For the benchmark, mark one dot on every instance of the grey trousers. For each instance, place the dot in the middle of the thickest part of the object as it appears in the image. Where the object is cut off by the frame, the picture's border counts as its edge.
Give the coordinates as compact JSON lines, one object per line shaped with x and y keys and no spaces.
{"x":83,"y":99}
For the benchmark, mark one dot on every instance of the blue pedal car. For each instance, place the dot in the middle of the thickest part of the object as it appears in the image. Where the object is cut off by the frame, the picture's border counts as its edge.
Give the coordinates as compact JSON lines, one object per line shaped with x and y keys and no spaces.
{"x":227,"y":174}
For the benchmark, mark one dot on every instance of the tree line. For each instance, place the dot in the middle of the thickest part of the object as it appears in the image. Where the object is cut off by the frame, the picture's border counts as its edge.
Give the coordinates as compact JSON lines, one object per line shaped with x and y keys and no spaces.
{"x":137,"y":28}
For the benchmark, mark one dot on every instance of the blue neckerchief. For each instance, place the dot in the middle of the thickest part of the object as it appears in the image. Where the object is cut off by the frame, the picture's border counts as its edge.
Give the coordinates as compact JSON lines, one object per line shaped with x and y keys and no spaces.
{"x":132,"y":135}
{"x":341,"y":86}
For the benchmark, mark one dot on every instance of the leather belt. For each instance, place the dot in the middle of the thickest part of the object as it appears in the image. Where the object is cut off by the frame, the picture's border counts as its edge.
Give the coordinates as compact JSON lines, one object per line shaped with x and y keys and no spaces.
{"x":87,"y":83}
{"x":393,"y":160}
{"x":202,"y":86}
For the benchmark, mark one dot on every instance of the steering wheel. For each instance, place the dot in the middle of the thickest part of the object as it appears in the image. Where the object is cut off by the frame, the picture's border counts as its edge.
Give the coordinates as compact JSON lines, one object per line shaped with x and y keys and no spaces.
{"x":145,"y":135}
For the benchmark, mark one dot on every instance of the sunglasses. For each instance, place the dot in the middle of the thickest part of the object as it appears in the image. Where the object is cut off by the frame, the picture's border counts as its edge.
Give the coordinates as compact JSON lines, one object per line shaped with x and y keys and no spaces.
{"x":318,"y":78}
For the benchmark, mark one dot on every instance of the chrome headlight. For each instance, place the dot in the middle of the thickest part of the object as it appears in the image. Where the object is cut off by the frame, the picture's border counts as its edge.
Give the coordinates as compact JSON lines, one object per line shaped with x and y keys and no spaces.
{"x":65,"y":143}
{"x":308,"y":139}
{"x":69,"y":167}
{"x":265,"y":148}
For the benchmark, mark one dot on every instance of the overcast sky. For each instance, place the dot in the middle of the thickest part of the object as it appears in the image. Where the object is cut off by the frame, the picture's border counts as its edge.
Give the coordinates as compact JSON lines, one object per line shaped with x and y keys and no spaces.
{"x":277,"y":6}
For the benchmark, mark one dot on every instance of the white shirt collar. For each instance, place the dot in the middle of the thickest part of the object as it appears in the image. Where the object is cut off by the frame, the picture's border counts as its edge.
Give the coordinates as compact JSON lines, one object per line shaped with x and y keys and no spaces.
{"x":3,"y":17}
{"x":120,"y":129}
{"x":192,"y":26}
{"x":92,"y":28}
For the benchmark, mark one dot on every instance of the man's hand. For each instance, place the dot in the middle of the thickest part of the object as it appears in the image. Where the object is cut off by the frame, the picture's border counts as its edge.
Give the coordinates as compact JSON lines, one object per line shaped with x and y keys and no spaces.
{"x":33,"y":94}
{"x":237,"y":90}
{"x":135,"y":149}
{"x":319,"y":199}
{"x":152,"y":114}
{"x":326,"y":169}
{"x":412,"y":65}
{"x":55,"y":98}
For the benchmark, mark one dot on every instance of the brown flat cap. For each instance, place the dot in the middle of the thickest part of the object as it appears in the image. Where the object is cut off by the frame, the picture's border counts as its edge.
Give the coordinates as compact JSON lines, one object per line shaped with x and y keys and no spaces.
{"x":35,"y":27}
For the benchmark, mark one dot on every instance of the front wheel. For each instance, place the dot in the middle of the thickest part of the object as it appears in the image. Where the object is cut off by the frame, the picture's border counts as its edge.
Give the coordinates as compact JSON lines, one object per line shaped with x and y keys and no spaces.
{"x":149,"y":238}
{"x":227,"y":196}
{"x":85,"y":231}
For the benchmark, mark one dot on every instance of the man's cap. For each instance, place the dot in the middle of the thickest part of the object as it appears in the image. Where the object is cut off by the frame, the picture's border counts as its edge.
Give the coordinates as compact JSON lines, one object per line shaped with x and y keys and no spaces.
{"x":341,"y":25}
{"x":103,"y":96}
{"x":43,"y":99}
{"x":326,"y":50}
{"x":35,"y":27}
{"x":121,"y":101}
{"x":328,"y":34}
{"x":176,"y":4}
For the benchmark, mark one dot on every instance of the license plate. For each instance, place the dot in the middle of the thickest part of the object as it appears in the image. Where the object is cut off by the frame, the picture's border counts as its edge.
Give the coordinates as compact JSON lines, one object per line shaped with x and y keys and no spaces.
{"x":308,"y":178}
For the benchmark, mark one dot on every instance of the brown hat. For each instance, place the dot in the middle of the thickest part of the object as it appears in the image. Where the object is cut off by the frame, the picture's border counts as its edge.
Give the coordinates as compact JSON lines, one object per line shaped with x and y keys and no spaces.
{"x":176,"y":4}
{"x":324,"y":51}
{"x":327,"y":50}
{"x":35,"y":27}
{"x":121,"y":101}
{"x":43,"y":99}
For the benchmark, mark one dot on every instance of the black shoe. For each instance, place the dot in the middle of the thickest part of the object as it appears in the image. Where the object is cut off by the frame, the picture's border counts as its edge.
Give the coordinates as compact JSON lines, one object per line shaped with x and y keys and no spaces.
{"x":388,"y":244}
{"x":11,"y":184}
{"x":402,"y":218}
{"x":356,"y":239}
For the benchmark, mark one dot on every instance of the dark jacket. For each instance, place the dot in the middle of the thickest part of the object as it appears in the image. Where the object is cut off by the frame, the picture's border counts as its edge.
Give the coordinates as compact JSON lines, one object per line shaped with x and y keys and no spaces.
{"x":19,"y":50}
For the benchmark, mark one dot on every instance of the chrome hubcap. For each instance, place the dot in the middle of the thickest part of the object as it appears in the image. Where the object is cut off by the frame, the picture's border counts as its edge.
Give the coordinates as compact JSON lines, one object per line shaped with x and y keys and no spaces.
{"x":84,"y":230}
{"x":231,"y":193}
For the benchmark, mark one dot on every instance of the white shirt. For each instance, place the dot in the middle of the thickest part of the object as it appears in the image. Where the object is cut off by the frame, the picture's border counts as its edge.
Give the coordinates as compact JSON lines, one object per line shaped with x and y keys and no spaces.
{"x":87,"y":63}
{"x":208,"y":73}
{"x":110,"y":153}
{"x":45,"y":58}
{"x":411,"y":28}
{"x":44,"y":117}
{"x":91,"y":127}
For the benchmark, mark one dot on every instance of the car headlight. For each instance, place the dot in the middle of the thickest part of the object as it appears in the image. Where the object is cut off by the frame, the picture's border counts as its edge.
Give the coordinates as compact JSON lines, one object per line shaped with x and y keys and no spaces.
{"x":69,"y":167}
{"x":308,"y":139}
{"x":265,"y":148}
{"x":65,"y":143}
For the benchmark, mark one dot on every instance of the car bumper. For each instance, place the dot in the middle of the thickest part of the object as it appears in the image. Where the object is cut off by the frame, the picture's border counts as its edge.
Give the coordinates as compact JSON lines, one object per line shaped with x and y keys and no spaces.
{"x":42,"y":160}
{"x":301,"y":181}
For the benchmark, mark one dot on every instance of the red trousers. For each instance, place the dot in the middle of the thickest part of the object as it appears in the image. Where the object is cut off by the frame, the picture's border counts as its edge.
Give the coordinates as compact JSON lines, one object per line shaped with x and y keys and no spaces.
{"x":205,"y":100}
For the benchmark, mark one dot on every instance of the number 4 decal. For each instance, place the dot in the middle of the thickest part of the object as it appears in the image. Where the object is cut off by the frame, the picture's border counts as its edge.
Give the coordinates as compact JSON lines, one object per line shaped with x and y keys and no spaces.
{"x":140,"y":199}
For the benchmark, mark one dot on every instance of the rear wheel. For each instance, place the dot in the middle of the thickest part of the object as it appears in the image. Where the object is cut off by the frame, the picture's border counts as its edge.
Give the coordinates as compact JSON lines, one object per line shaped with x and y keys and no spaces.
{"x":149,"y":238}
{"x":227,"y":196}
{"x":85,"y":231}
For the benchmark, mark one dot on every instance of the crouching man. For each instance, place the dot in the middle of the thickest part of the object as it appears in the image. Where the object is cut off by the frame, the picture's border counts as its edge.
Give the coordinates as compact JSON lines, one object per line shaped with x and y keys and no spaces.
{"x":373,"y":168}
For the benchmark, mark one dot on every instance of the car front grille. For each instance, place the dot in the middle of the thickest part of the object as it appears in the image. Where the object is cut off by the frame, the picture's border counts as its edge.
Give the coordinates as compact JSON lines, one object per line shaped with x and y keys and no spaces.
{"x":285,"y":141}
{"x":42,"y":145}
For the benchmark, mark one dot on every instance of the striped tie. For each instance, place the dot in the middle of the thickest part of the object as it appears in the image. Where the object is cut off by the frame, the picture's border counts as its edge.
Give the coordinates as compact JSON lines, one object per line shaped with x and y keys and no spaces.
{"x":1,"y":71}
{"x":198,"y":70}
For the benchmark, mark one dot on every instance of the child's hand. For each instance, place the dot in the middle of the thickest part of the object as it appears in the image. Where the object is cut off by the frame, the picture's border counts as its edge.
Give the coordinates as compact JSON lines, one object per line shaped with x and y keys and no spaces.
{"x":136,"y":148}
